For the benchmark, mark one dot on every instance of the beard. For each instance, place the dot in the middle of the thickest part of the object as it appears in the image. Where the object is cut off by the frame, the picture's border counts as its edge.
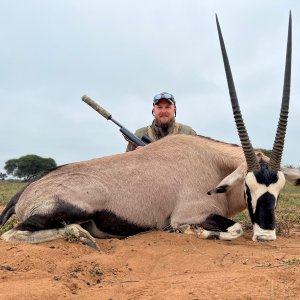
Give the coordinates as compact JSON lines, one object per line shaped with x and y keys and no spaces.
{"x":164,"y":124}
{"x":162,"y":128}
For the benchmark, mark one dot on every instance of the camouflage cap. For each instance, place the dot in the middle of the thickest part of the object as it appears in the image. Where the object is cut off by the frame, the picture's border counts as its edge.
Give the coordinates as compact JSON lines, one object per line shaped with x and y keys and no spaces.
{"x":164,"y":95}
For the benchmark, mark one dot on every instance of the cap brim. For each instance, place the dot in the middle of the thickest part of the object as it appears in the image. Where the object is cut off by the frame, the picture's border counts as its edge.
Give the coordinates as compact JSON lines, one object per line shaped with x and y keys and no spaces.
{"x":155,"y":101}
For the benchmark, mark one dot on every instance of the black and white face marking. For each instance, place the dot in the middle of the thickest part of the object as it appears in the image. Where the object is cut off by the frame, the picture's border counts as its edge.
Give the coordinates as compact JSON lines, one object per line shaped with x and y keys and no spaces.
{"x":262,"y":189}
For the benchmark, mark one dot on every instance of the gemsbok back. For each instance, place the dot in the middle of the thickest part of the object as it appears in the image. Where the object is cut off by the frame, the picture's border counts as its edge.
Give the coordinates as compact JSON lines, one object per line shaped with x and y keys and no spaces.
{"x":192,"y":184}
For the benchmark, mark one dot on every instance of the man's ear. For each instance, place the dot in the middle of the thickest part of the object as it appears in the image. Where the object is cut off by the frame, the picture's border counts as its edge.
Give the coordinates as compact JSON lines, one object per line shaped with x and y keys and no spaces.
{"x":231,"y":180}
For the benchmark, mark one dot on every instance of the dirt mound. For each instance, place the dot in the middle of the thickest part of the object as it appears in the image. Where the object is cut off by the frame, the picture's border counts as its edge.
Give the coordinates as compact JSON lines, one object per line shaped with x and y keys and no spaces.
{"x":154,"y":265}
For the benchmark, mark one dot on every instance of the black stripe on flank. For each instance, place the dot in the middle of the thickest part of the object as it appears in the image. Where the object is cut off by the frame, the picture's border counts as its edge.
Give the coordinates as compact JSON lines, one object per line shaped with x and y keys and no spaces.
{"x":65,"y":213}
{"x":110,"y":223}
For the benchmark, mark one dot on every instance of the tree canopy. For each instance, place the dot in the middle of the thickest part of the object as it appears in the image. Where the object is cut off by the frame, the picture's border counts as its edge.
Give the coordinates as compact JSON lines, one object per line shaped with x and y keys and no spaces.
{"x":28,"y":166}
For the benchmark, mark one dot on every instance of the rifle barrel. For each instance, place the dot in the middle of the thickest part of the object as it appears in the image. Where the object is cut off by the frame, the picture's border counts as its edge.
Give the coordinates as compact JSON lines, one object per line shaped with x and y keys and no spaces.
{"x":136,"y":140}
{"x":96,"y":107}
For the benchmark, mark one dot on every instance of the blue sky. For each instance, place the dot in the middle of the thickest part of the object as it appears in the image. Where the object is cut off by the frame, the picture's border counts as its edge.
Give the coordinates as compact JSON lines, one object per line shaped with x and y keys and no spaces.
{"x":121,"y":53}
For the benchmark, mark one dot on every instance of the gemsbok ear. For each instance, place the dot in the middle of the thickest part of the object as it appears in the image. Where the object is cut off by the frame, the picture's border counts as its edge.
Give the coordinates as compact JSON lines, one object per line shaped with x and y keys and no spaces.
{"x":291,"y":175}
{"x":230,"y":181}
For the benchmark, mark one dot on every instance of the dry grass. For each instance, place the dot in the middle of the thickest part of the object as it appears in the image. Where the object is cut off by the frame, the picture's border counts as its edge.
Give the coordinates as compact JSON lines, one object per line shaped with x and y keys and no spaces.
{"x":8,"y":189}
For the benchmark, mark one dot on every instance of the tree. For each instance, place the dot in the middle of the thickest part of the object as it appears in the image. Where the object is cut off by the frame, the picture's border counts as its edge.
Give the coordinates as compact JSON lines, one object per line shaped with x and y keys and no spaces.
{"x":3,"y":176}
{"x":28,"y":166}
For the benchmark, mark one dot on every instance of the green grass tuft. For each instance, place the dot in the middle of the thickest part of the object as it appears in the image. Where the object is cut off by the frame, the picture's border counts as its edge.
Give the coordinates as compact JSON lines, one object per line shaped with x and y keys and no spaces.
{"x":71,"y":236}
{"x":291,"y":261}
{"x":8,"y":225}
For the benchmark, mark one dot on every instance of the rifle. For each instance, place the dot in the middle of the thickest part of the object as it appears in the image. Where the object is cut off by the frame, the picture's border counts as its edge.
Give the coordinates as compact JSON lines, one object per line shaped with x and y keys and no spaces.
{"x":129,"y":136}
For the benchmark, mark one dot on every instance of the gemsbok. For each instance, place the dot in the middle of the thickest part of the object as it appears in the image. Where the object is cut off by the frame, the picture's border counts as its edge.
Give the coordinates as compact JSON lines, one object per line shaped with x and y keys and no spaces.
{"x":192,"y":184}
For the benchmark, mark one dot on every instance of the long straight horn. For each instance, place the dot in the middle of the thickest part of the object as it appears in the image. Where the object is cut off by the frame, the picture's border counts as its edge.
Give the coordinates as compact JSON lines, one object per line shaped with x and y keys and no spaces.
{"x":250,"y":156}
{"x":276,"y":154}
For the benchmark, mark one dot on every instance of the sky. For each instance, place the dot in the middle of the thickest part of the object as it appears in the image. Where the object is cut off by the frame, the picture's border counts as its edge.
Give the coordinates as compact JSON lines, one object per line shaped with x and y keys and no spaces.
{"x":121,"y":53}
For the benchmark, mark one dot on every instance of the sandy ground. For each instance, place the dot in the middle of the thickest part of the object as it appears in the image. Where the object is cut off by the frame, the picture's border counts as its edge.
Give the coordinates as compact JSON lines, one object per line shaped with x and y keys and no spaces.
{"x":154,"y":265}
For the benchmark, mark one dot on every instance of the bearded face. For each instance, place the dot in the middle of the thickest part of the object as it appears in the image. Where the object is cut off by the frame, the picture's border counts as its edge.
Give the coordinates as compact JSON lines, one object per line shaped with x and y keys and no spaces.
{"x":164,"y":111}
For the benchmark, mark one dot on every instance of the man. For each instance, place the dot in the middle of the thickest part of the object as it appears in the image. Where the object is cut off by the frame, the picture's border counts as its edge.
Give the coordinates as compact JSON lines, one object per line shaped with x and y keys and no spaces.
{"x":164,"y":112}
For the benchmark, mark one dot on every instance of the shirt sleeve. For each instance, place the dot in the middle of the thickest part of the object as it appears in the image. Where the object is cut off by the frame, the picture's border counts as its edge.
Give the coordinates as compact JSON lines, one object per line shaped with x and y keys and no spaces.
{"x":130,"y":147}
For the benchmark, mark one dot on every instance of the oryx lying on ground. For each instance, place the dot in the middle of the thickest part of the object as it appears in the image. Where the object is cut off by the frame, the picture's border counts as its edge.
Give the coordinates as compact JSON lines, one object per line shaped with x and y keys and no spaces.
{"x":193,"y":184}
